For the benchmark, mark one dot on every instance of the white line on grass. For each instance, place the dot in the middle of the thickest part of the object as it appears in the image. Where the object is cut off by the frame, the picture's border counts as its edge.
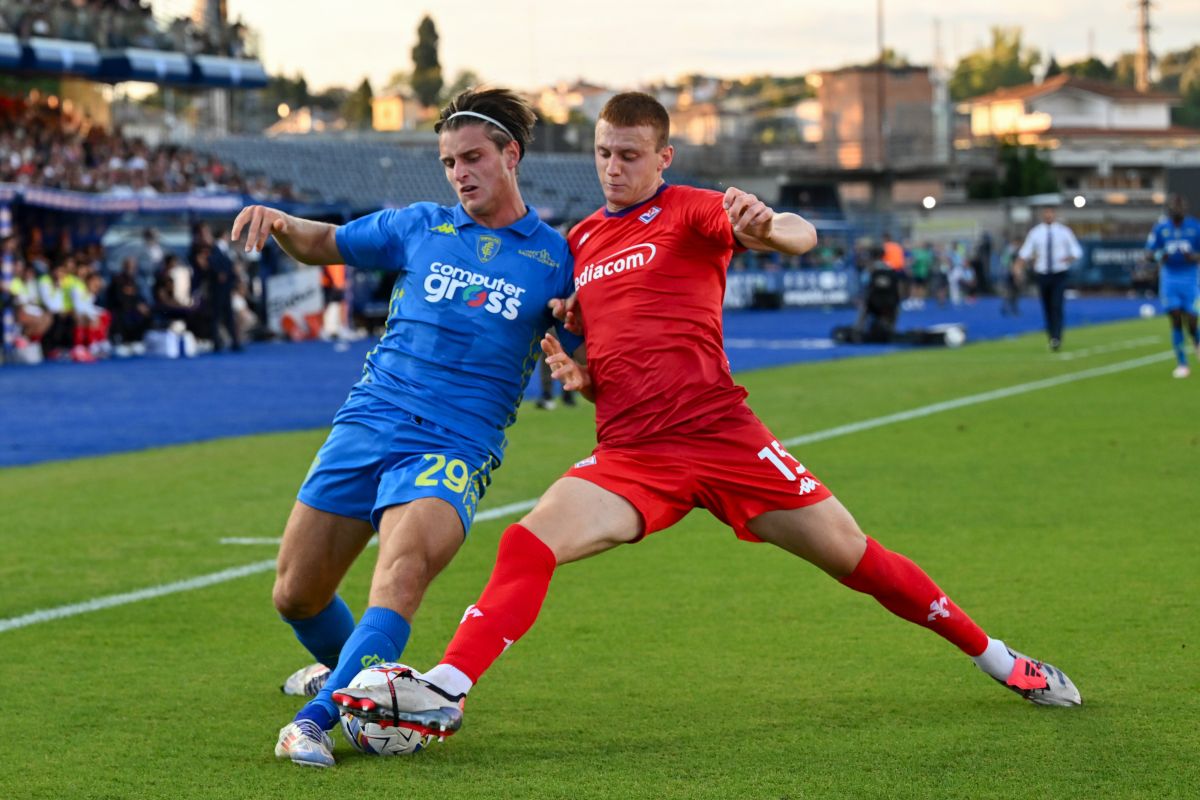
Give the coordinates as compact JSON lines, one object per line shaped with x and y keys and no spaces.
{"x":482,"y":516}
{"x":1127,"y":344}
{"x":975,"y":399}
{"x":112,"y":600}
{"x":46,"y":615}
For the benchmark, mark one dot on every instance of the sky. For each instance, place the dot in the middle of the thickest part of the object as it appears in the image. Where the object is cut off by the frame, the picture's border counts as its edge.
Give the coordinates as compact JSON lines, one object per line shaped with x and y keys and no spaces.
{"x":527,"y":44}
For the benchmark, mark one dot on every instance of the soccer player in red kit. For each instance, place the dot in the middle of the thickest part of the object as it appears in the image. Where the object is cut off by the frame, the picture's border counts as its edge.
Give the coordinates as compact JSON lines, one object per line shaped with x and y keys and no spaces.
{"x":673,"y":430}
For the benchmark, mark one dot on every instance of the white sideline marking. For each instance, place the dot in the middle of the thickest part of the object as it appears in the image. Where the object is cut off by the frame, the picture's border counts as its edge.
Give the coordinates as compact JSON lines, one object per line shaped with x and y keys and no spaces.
{"x":975,"y":399}
{"x":482,"y":516}
{"x":1127,"y":344}
{"x":112,"y":600}
{"x":46,"y":615}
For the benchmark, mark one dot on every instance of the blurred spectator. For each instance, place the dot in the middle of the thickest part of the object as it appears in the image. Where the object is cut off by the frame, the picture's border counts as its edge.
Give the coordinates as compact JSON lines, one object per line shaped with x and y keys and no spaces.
{"x":129,"y":308}
{"x":119,"y":24}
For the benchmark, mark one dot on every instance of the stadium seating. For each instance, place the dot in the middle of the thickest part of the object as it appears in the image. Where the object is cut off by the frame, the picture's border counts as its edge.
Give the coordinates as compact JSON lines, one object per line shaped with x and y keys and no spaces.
{"x":367,"y":174}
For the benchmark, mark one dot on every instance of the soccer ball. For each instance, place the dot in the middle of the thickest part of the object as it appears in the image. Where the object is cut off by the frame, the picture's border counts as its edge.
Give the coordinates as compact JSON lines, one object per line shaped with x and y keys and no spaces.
{"x":1147,"y":311}
{"x":955,"y":337}
{"x":373,"y":738}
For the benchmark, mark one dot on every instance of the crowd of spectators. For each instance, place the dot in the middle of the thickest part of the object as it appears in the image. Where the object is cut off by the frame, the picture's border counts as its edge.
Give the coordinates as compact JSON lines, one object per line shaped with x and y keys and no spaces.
{"x":46,"y":142}
{"x":117,"y":24}
{"x":66,"y":305}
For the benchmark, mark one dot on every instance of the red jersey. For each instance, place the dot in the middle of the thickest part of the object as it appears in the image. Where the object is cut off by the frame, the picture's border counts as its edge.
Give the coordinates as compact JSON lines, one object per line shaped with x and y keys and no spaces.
{"x":650,"y":281}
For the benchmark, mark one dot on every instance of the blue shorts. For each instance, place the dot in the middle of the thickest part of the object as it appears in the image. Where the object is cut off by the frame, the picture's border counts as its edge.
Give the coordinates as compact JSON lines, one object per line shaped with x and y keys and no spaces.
{"x":378,"y":456}
{"x":1178,"y":291}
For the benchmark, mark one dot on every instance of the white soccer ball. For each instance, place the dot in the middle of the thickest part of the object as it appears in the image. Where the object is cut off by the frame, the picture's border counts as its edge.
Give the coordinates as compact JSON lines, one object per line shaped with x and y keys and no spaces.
{"x":1147,"y":311}
{"x":955,"y":337}
{"x":373,"y":738}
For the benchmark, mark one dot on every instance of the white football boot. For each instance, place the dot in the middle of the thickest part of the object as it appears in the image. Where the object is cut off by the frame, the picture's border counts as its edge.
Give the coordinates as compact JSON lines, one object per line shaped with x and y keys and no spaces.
{"x":407,"y":701}
{"x":1041,"y":683}
{"x":307,"y":681}
{"x":305,"y":744}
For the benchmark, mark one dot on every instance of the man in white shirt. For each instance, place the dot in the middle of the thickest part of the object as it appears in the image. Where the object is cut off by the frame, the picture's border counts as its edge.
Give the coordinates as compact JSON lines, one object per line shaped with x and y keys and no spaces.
{"x":1051,"y":248}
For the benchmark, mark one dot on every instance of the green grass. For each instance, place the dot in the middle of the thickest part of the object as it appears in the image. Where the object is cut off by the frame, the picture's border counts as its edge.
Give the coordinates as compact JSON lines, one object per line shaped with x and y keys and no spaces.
{"x":690,"y":665}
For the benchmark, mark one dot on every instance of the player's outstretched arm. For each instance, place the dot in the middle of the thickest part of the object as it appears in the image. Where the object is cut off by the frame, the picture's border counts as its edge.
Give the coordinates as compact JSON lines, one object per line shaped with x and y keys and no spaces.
{"x":306,"y":241}
{"x":566,"y":370}
{"x":759,"y":227}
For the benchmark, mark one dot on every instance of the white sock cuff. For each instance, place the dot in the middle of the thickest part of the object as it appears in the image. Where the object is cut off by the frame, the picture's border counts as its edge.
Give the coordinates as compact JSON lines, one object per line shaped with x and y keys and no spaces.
{"x":450,"y":679}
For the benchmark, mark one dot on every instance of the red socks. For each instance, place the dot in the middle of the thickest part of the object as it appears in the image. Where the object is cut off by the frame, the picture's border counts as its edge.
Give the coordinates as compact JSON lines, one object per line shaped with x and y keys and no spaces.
{"x":508,"y":606}
{"x":903,"y":588}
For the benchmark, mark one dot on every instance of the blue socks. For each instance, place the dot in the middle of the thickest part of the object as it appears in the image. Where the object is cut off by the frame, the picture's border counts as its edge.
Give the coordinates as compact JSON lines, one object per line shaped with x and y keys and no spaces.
{"x":380,"y":636}
{"x":1177,"y":342}
{"x":324,"y":634}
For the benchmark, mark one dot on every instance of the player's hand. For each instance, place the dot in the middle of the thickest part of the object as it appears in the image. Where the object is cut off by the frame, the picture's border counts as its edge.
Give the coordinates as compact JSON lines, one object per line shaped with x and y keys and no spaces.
{"x":567,"y":312}
{"x":563,"y":368}
{"x":748,"y":215}
{"x":260,"y":222}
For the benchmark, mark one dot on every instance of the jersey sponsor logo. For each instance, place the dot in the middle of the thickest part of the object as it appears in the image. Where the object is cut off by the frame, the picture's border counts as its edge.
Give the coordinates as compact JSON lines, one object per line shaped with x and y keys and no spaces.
{"x":445,"y":228}
{"x":487,"y":247}
{"x":447,"y":283}
{"x":541,"y":256}
{"x":649,"y":216}
{"x":587,"y":462}
{"x":938,"y":609}
{"x":638,"y":255}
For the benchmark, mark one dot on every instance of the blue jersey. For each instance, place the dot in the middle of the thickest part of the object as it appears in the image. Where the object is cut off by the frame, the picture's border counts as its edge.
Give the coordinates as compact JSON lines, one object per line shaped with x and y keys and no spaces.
{"x":1177,"y":244}
{"x":466,"y":316}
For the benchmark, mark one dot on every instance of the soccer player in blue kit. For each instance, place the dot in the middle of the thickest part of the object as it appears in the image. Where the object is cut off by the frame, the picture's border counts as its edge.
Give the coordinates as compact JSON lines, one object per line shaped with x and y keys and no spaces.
{"x":1175,"y":244}
{"x":412,"y":449}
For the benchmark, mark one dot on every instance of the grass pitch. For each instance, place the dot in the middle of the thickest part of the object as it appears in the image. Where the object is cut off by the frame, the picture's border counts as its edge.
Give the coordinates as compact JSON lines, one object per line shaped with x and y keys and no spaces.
{"x":689,"y":665}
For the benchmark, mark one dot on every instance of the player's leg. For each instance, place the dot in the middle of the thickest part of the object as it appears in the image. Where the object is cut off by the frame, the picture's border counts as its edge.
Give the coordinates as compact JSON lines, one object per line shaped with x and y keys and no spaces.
{"x":573,"y":520}
{"x":826,"y":535}
{"x":416,"y":542}
{"x":317,"y":549}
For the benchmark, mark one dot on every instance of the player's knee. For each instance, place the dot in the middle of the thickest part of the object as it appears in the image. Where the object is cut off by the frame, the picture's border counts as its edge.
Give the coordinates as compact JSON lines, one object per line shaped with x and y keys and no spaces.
{"x":293,"y":604}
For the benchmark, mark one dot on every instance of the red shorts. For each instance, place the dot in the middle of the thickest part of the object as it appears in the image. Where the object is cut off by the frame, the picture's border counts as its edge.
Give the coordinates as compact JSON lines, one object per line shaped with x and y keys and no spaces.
{"x":737,"y":470}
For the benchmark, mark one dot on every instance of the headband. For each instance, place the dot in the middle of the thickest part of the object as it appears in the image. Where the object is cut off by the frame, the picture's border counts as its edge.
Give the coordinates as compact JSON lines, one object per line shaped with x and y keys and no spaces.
{"x":483,"y":117}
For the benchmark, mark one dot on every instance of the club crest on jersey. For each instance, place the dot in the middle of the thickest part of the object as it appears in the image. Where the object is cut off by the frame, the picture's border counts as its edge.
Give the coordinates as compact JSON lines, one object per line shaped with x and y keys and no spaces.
{"x":492,"y":293}
{"x":632,"y":257}
{"x":649,"y":216}
{"x":487,"y":247}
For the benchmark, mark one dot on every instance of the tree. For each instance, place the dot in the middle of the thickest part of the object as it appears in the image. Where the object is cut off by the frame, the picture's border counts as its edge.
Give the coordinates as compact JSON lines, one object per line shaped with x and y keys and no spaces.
{"x":1004,"y":62}
{"x":427,"y":72}
{"x":357,"y":108}
{"x":1052,"y":68}
{"x":1124,"y":69}
{"x":462,"y":81}
{"x":1091,"y":68}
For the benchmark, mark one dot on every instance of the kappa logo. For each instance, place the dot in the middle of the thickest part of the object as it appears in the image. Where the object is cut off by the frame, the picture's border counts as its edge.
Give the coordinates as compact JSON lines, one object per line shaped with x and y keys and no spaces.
{"x":541,"y":256}
{"x":649,"y":216}
{"x":584,"y":238}
{"x":587,"y":462}
{"x":371,"y":660}
{"x":807,"y":484}
{"x":445,"y":228}
{"x":487,"y":247}
{"x":938,"y":609}
{"x":471,"y":612}
{"x":638,"y":255}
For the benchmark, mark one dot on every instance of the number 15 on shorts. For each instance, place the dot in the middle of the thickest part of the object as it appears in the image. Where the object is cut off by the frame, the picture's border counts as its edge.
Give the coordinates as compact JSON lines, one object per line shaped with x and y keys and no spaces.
{"x":779,"y":457}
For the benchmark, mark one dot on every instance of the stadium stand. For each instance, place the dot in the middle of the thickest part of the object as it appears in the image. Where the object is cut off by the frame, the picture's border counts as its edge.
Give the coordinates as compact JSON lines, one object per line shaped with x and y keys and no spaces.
{"x":368,"y":174}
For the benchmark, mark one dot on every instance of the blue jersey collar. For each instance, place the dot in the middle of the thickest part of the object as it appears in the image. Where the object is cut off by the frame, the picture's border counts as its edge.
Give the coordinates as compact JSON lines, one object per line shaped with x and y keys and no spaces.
{"x":526,"y":225}
{"x":624,"y":212}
